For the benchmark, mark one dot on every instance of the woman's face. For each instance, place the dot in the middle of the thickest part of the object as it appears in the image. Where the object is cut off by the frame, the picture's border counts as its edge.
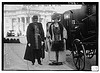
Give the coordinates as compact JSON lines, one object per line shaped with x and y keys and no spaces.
{"x":56,"y":20}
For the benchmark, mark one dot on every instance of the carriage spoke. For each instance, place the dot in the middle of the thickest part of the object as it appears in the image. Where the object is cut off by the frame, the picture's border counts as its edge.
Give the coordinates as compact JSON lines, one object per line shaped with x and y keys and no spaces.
{"x":79,"y":56}
{"x":76,"y":61}
{"x":90,"y":53}
{"x":82,"y":62}
{"x":79,"y":63}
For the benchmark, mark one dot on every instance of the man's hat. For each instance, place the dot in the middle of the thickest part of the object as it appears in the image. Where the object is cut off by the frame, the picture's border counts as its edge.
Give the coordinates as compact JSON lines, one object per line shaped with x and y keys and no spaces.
{"x":35,"y":17}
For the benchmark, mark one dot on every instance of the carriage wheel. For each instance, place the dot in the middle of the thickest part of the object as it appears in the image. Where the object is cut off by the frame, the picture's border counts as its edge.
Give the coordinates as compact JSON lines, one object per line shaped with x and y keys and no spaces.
{"x":90,"y":53}
{"x":78,"y":53}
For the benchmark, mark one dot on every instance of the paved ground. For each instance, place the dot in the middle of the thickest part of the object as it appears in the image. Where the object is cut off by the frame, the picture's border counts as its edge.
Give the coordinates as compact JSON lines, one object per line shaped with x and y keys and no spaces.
{"x":13,"y":60}
{"x":88,"y":62}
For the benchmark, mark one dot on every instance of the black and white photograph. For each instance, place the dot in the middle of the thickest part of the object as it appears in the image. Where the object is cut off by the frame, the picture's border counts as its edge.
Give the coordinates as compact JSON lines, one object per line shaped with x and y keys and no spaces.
{"x":50,"y":36}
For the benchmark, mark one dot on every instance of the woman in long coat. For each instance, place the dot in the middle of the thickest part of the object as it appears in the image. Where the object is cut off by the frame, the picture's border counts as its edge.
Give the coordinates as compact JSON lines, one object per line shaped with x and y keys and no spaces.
{"x":56,"y":33}
{"x":35,"y":39}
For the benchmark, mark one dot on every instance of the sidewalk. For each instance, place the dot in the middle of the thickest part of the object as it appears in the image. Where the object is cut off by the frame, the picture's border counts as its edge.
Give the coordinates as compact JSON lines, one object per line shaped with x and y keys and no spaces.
{"x":13,"y":60}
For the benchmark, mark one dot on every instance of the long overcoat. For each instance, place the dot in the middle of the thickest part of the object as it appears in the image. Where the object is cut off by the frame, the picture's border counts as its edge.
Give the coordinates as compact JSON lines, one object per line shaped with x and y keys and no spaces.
{"x":30,"y":50}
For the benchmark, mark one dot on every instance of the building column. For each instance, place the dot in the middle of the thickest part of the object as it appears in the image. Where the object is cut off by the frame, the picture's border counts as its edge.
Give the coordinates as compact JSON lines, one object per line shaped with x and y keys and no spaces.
{"x":25,"y":26}
{"x":21,"y":26}
{"x":12,"y":23}
{"x":20,"y":20}
{"x":30,"y":19}
{"x":25,"y":21}
{"x":20,"y":23}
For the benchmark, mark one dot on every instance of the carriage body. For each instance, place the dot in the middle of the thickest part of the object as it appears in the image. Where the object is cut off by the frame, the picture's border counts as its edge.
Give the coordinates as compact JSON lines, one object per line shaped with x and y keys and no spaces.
{"x":82,"y":31}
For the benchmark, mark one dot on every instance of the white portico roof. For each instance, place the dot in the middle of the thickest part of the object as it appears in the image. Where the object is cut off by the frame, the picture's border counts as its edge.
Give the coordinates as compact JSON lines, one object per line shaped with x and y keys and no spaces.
{"x":51,"y":8}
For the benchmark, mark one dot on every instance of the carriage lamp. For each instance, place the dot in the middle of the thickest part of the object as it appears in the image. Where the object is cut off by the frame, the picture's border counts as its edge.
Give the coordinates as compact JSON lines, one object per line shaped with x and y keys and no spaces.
{"x":66,"y":16}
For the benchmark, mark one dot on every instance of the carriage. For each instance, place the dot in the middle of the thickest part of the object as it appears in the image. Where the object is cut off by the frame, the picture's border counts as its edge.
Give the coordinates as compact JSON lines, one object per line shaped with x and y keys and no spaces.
{"x":82,"y":31}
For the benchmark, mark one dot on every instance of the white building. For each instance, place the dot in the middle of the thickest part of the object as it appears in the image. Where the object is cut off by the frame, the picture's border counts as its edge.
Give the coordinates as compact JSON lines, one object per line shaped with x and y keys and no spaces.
{"x":17,"y":17}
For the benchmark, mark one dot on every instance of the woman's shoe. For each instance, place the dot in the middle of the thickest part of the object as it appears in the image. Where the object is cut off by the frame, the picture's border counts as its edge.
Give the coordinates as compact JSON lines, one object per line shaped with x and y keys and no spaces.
{"x":32,"y":63}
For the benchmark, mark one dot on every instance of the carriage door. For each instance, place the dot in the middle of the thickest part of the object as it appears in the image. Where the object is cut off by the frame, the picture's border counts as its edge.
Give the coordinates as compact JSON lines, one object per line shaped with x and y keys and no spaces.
{"x":67,"y":22}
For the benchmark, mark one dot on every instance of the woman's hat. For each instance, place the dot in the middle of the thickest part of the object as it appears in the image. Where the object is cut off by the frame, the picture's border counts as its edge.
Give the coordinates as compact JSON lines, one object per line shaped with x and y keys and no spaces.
{"x":56,"y":16}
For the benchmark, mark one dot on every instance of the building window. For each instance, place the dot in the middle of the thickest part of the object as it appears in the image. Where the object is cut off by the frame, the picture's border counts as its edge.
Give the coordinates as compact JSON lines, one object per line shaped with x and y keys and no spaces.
{"x":27,"y":19}
{"x":23,"y":19}
{"x":18,"y":19}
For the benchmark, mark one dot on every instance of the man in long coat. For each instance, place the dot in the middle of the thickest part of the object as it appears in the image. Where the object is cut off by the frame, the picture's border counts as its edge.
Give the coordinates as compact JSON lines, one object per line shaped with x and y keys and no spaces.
{"x":35,"y":39}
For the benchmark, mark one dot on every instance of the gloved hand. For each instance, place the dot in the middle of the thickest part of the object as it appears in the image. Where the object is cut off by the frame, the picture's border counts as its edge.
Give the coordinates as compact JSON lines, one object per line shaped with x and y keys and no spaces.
{"x":42,"y":42}
{"x":29,"y":44}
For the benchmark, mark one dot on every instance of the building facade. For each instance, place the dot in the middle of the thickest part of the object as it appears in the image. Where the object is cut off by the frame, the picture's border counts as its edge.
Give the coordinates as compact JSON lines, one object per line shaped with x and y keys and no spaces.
{"x":17,"y":18}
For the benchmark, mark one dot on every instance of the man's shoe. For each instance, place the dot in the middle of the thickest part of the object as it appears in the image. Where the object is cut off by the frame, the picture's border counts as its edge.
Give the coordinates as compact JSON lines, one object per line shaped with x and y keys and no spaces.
{"x":32,"y":63}
{"x":39,"y":63}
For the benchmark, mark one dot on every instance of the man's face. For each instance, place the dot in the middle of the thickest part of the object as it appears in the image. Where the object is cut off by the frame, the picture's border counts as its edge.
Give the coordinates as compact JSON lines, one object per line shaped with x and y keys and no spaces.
{"x":35,"y":20}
